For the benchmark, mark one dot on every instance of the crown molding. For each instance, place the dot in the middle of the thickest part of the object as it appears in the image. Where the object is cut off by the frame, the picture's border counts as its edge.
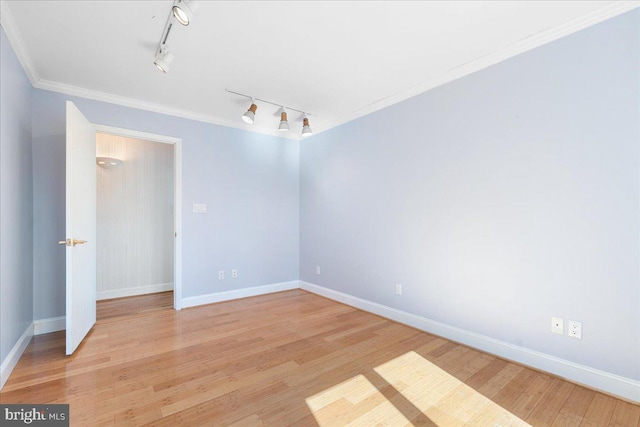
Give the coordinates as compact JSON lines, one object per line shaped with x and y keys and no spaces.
{"x":7,"y":21}
{"x":149,"y":106}
{"x":524,"y":45}
{"x":8,"y":24}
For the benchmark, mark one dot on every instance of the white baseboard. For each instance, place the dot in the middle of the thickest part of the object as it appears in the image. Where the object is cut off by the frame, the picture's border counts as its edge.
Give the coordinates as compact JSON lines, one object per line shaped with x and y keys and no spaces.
{"x":13,"y":357}
{"x":594,"y":378}
{"x":131,"y":292}
{"x":45,"y":326}
{"x":239,"y":293}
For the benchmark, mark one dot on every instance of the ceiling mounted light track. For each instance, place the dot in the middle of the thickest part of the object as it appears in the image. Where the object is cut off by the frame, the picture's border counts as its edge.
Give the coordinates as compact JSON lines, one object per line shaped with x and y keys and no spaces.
{"x":250,"y":114}
{"x":182,"y":11}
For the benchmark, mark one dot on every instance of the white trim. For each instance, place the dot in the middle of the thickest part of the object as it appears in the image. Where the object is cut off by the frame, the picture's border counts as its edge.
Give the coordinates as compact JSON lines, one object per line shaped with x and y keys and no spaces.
{"x":626,"y":388}
{"x":8,"y":23}
{"x":606,"y":12}
{"x":131,"y":292}
{"x":156,"y":108}
{"x":177,"y":197}
{"x":529,"y":43}
{"x":239,"y":293}
{"x":14,"y":355}
{"x":52,"y":324}
{"x":136,"y":134}
{"x":177,"y":221}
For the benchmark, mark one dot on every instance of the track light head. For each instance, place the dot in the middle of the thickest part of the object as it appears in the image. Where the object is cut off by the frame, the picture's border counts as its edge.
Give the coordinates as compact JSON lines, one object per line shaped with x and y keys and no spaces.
{"x":250,"y":115}
{"x":306,"y":129}
{"x":183,"y":11}
{"x":163,"y":59}
{"x":284,"y":124}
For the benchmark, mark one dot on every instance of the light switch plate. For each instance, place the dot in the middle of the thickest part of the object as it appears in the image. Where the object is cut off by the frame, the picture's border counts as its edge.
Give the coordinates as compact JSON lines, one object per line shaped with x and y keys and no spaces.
{"x":200,"y":208}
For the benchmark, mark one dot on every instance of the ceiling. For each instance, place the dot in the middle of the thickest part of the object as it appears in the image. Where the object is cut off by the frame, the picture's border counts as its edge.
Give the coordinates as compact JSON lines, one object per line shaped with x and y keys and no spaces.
{"x":335,"y":60}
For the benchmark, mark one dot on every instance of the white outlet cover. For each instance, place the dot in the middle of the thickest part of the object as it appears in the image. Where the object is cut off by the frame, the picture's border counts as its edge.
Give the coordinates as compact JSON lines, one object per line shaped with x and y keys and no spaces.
{"x":398,"y":289}
{"x":557,"y":325}
{"x":575,"y":329}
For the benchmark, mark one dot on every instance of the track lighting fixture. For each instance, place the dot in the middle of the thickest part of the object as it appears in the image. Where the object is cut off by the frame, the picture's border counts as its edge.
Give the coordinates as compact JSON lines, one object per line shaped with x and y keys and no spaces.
{"x":284,"y":124}
{"x":306,"y":129}
{"x":250,"y":115}
{"x":183,"y":11}
{"x":163,"y":59}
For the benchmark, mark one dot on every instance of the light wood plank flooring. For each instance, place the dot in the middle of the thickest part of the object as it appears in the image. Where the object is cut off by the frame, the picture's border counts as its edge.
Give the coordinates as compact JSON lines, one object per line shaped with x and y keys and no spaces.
{"x":290,"y":358}
{"x":130,"y":306}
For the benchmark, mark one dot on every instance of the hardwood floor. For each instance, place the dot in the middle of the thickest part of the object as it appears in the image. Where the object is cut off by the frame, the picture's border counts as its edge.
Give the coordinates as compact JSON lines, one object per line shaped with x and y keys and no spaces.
{"x":290,"y":358}
{"x":130,"y":306}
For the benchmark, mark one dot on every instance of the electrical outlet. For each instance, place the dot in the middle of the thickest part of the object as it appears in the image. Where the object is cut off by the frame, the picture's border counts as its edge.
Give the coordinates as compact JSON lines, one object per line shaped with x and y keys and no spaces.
{"x":557,"y":326}
{"x":221,"y":275}
{"x":398,"y":289}
{"x":575,"y":329}
{"x":234,"y":274}
{"x":318,"y":270}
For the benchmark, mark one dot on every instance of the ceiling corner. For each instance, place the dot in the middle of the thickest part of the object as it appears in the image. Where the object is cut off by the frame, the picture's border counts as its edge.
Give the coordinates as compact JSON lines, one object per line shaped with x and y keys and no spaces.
{"x":600,"y":15}
{"x":8,"y":23}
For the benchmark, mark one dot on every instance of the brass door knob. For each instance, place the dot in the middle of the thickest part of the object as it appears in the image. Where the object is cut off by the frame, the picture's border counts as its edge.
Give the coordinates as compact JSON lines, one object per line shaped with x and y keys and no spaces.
{"x":72,"y":242}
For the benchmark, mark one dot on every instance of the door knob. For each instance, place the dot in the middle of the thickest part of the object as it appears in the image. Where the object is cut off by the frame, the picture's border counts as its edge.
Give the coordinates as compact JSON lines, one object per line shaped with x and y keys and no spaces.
{"x":72,"y":242}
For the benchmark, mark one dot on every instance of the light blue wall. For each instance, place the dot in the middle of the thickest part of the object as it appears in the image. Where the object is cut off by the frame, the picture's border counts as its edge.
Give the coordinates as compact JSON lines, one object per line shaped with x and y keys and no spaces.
{"x":497,"y":200}
{"x":248,"y":181}
{"x":16,"y":209}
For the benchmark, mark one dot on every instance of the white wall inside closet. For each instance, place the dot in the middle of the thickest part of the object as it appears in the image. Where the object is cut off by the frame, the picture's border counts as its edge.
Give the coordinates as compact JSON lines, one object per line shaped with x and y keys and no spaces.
{"x":135,"y":217}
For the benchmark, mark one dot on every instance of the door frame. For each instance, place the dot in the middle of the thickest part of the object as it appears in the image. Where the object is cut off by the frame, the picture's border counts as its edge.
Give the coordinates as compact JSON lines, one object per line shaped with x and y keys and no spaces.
{"x":177,"y":197}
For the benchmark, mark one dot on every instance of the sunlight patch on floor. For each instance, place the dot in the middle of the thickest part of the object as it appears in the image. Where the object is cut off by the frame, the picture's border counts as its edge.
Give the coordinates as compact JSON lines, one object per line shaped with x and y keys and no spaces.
{"x":355,"y":402}
{"x":443,"y":398}
{"x":440,"y":397}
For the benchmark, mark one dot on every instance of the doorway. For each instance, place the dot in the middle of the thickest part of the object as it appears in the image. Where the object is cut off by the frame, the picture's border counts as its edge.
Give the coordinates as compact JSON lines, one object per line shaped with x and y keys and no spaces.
{"x":138,"y":214}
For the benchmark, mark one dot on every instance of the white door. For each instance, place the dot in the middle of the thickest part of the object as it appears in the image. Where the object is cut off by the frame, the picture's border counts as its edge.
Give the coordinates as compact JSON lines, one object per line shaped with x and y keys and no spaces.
{"x":80,"y":227}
